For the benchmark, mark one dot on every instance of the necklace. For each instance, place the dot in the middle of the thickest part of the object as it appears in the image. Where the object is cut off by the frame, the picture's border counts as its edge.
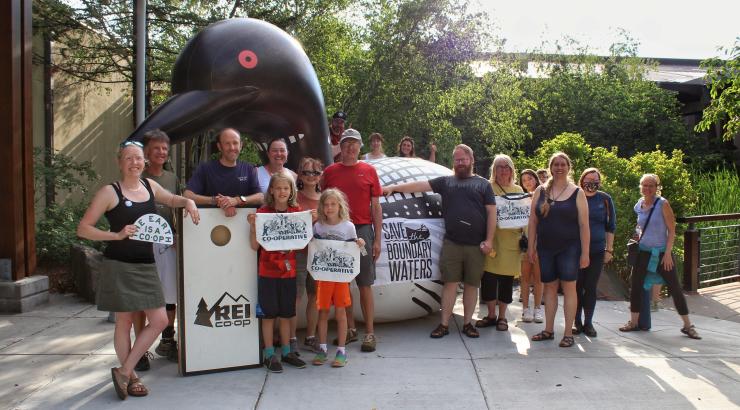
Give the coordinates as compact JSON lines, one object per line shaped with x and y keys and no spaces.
{"x":556,"y":197}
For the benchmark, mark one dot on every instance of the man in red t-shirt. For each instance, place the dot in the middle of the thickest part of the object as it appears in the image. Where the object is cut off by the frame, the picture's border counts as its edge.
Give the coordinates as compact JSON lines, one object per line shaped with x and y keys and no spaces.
{"x":359,"y":182}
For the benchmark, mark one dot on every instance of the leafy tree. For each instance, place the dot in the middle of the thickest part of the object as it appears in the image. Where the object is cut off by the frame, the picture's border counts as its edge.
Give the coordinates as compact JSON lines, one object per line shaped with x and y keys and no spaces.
{"x":723,"y":78}
{"x":608,"y":101}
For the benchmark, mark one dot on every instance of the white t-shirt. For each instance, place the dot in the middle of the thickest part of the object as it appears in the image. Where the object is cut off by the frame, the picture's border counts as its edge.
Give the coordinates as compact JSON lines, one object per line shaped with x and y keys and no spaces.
{"x":342,"y":231}
{"x":367,"y":156}
{"x":263,"y":176}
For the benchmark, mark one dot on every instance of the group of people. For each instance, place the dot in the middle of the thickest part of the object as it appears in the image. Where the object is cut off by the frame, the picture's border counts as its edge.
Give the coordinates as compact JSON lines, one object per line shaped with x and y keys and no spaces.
{"x":569,"y":237}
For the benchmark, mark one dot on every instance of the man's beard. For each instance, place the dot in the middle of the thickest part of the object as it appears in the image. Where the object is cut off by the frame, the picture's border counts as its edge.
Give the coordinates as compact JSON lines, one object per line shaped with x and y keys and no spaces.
{"x":463,"y":171}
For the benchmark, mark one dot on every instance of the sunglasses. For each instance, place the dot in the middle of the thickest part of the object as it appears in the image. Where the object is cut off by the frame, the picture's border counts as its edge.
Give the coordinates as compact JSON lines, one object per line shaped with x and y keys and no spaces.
{"x":125,"y":144}
{"x":310,"y":173}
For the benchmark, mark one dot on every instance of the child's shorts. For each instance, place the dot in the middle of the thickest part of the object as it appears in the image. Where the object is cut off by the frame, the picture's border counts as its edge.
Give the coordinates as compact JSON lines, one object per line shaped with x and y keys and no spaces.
{"x":276,"y":297}
{"x":332,"y":293}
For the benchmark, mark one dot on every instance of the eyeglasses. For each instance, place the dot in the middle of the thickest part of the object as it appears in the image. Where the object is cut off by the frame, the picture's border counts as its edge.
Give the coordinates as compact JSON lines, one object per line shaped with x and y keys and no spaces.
{"x":126,"y":143}
{"x":310,"y":173}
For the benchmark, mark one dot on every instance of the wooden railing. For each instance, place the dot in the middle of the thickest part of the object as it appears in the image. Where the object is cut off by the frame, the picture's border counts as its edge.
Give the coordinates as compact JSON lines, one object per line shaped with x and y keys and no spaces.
{"x":712,"y":253}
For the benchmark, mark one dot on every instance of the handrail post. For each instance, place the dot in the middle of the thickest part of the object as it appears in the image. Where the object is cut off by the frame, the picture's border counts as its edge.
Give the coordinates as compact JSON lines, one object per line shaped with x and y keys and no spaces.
{"x":691,"y":259}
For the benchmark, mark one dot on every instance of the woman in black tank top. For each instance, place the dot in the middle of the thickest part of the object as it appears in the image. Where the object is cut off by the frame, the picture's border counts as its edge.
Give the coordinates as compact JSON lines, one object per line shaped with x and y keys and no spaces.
{"x":559,"y":236}
{"x":128,"y":281}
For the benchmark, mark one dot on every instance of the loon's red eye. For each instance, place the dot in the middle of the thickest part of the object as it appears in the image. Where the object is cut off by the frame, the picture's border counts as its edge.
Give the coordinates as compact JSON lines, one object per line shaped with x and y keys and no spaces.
{"x":248,"y":59}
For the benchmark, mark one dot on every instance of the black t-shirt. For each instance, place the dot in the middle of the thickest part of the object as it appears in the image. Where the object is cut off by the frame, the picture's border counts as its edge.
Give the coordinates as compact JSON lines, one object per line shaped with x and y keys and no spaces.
{"x":464,"y":203}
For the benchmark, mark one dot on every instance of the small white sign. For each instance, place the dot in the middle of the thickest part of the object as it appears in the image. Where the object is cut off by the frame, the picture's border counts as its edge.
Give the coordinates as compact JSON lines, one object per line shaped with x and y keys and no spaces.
{"x":284,"y":231}
{"x":153,"y":228}
{"x":512,"y":210}
{"x":334,"y":261}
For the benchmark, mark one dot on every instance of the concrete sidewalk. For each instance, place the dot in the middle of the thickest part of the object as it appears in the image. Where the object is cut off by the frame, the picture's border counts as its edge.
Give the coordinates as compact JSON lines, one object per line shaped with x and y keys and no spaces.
{"x":60,"y":356}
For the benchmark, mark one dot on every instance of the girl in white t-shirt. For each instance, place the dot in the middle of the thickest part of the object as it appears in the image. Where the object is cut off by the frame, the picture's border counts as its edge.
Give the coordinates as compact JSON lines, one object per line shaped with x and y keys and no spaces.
{"x":333,"y":224}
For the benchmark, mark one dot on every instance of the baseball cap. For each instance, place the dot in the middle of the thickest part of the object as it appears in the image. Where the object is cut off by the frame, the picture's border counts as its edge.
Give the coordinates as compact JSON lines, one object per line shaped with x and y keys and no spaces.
{"x":351,"y":133}
{"x":341,"y":115}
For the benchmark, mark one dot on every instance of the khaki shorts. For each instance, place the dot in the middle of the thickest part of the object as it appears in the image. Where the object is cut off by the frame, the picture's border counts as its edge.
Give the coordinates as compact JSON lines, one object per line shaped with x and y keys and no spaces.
{"x":461,"y":263}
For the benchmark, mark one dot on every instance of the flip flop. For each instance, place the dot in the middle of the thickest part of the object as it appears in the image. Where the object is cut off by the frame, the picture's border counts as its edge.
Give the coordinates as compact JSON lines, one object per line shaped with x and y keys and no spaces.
{"x":136,"y":388}
{"x":120,"y":383}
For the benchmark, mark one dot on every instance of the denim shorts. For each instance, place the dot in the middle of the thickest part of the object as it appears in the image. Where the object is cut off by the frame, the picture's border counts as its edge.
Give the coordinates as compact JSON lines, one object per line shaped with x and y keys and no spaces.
{"x":560,"y":264}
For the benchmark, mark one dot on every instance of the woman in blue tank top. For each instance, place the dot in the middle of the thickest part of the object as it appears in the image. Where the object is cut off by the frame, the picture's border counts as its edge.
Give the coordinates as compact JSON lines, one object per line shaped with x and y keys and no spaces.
{"x":559,"y":236}
{"x":656,"y":246}
{"x":128,"y":281}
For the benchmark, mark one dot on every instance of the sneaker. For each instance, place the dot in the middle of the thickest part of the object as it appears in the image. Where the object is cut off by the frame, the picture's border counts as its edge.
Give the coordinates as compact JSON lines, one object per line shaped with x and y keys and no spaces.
{"x":164,"y":346}
{"x":351,"y":337}
{"x":654,"y":306}
{"x":339,"y":360}
{"x":293,"y":360}
{"x":320,"y":358}
{"x":294,"y":347}
{"x":539,"y":315}
{"x":143,"y":364}
{"x":273,"y":364}
{"x":172,"y":354}
{"x":368,"y":344}
{"x":527,"y":315}
{"x":311,"y":344}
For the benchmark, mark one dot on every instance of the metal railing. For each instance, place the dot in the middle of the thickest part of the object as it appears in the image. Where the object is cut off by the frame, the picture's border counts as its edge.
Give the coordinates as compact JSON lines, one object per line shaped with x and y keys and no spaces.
{"x":711,"y":253}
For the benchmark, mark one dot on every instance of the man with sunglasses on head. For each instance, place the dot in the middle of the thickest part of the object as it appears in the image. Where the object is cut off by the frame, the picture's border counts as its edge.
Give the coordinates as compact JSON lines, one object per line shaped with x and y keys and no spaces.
{"x":225,"y":182}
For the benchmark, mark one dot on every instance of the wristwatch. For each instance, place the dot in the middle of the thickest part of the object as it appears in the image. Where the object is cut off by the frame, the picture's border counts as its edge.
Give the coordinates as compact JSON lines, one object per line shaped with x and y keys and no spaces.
{"x":243,"y":199}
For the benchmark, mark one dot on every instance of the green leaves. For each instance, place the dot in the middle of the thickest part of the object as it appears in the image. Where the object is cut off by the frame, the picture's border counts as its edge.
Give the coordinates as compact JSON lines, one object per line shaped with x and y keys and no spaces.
{"x":723,"y":79}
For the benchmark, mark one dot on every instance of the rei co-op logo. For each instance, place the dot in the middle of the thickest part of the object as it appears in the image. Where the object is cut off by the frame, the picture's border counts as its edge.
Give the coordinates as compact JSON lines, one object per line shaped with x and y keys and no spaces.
{"x":226,"y":312}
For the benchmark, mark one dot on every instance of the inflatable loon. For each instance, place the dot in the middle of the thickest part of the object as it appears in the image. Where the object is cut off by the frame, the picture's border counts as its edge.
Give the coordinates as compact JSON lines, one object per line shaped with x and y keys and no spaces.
{"x":249,"y":75}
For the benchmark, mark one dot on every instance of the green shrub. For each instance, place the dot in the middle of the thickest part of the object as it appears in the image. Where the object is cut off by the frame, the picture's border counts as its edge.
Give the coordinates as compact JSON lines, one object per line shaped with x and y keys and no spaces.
{"x":621,"y":178}
{"x":56,"y":232}
{"x":719,"y":192}
{"x":56,"y":226}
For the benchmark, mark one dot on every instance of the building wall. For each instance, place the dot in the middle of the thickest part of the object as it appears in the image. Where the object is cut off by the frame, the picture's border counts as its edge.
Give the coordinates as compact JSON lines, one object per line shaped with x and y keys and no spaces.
{"x":90,"y":120}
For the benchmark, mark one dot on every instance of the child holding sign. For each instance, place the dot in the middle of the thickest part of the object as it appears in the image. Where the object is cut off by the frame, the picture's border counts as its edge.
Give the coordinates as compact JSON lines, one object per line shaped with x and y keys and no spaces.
{"x":333,"y":224}
{"x":276,"y":285}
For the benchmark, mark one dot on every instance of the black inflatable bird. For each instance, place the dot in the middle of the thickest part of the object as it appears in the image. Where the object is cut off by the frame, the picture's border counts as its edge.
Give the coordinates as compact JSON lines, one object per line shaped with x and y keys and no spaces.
{"x":249,"y":75}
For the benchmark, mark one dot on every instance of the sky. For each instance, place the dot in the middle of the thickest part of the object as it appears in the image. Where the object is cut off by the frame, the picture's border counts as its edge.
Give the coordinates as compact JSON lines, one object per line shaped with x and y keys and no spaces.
{"x":665,"y":29}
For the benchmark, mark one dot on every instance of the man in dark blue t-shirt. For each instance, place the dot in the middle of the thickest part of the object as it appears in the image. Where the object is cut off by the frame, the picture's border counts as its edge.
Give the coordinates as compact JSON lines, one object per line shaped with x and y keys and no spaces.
{"x":469,"y":212}
{"x":225,"y":182}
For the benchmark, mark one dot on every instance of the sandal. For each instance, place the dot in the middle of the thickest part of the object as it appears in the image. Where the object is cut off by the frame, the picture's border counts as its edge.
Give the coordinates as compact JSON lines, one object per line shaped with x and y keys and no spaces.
{"x":120,"y":383}
{"x":566,"y":341}
{"x":691,"y":332}
{"x":502,"y":324}
{"x":486,"y":321}
{"x":470,"y":331}
{"x":440,"y":331}
{"x":543,"y":335}
{"x":629,"y":327}
{"x":136,"y":388}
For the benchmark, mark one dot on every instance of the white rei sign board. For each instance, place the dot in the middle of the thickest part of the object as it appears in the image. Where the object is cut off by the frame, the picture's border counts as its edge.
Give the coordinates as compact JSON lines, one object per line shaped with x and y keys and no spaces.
{"x":153,"y":228}
{"x":409,"y":250}
{"x":284,"y":231}
{"x":218,"y":294}
{"x":334,"y":261}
